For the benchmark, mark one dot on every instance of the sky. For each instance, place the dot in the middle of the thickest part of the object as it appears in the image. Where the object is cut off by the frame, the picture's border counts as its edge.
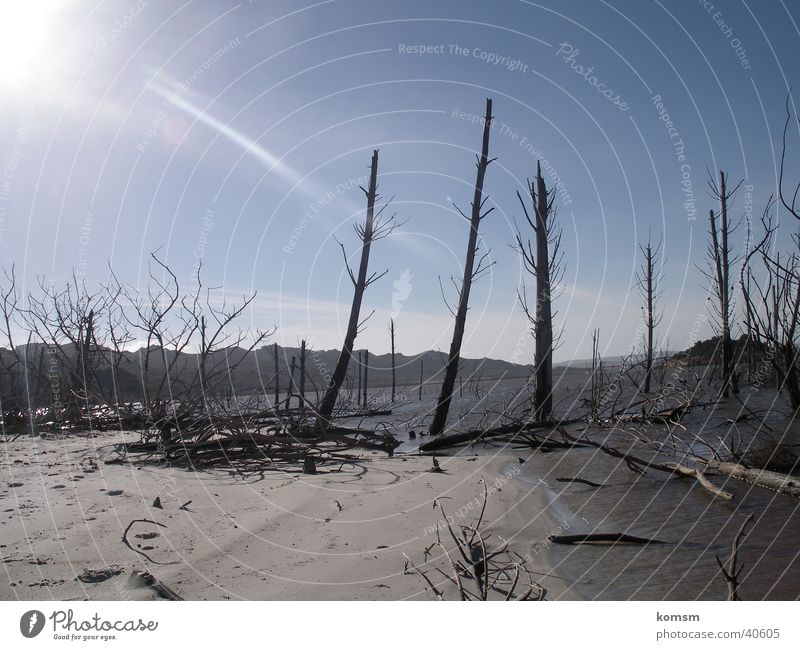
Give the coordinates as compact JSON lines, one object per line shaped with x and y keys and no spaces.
{"x":237,"y":134}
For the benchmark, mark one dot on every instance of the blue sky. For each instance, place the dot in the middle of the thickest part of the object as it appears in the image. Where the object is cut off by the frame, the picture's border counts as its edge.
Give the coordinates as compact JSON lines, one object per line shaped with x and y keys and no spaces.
{"x":238,"y":132}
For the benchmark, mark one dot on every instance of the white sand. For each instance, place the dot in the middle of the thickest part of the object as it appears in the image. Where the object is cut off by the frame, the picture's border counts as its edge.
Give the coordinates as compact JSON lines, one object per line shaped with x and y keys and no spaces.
{"x":276,"y":536}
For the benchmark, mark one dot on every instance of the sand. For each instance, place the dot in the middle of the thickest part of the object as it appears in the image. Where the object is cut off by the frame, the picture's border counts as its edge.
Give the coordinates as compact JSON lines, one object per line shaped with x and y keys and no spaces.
{"x":334,"y":535}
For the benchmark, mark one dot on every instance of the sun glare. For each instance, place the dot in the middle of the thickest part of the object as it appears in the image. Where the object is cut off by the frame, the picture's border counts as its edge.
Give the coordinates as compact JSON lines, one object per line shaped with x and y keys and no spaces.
{"x":23,"y":39}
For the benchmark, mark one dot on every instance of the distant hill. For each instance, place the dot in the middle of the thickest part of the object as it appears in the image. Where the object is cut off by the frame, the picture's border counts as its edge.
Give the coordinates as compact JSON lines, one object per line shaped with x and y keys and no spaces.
{"x":255,"y":371}
{"x":320,"y":363}
{"x":706,"y":352}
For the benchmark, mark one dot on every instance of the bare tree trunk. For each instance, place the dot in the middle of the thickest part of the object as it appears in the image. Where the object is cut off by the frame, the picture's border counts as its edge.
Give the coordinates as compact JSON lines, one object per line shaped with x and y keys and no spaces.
{"x":366,"y":376}
{"x":543,"y":390}
{"x":451,"y":370}
{"x":719,"y":254}
{"x":359,"y":388}
{"x":277,"y":378}
{"x":648,"y":282}
{"x":85,"y":358}
{"x":727,"y":348}
{"x":649,"y":307}
{"x":303,"y":374}
{"x":360,"y":285}
{"x":394,"y":377}
{"x":544,"y":264}
{"x":292,"y":384}
{"x":203,"y":353}
{"x":421,"y":368}
{"x":595,"y":399}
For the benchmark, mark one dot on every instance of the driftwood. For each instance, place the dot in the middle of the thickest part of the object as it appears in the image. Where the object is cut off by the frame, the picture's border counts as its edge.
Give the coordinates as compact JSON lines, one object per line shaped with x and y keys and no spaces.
{"x":476,"y":435}
{"x":702,"y":479}
{"x":602,"y":538}
{"x":783,"y":483}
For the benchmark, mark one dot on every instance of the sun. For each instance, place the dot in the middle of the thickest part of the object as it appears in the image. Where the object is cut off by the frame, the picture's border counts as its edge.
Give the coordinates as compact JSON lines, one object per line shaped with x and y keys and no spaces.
{"x":23,"y":39}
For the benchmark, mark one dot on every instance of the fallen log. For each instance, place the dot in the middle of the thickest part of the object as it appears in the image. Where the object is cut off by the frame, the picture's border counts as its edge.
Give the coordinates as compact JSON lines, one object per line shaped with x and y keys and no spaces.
{"x":639,"y":465}
{"x":602,"y":538}
{"x":783,"y":483}
{"x":475,"y":435}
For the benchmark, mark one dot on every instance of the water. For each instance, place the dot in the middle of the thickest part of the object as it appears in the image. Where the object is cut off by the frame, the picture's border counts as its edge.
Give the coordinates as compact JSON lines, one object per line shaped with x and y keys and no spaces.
{"x":695,"y":526}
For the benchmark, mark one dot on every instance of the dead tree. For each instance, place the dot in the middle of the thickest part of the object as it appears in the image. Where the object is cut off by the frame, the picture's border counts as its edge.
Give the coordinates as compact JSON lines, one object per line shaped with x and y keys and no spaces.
{"x":545,"y":264}
{"x":772,"y":303}
{"x":720,"y":262}
{"x":290,"y":392}
{"x":358,"y":383}
{"x":64,"y":318}
{"x":471,"y":273}
{"x":375,"y":227}
{"x":302,"y":374}
{"x":648,"y":280}
{"x":745,"y":281}
{"x":277,"y":377}
{"x":14,"y":396}
{"x":772,"y":293}
{"x":421,"y":368}
{"x":167,"y":322}
{"x":596,"y":378}
{"x":221,"y":352}
{"x":366,"y":377}
{"x":394,"y":375}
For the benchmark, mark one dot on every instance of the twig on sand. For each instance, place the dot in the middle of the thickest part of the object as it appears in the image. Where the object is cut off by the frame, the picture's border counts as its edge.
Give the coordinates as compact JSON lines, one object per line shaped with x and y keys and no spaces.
{"x":438,"y":594}
{"x":136,"y":550}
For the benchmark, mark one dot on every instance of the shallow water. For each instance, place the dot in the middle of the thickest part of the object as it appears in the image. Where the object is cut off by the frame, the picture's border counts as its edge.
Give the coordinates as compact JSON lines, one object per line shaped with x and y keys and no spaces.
{"x":694,"y":525}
